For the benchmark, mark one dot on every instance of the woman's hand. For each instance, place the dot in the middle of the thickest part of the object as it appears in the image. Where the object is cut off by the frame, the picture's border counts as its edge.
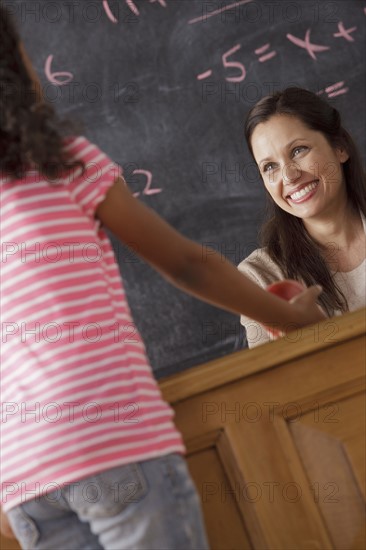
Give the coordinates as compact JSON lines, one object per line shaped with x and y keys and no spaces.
{"x":5,"y":526}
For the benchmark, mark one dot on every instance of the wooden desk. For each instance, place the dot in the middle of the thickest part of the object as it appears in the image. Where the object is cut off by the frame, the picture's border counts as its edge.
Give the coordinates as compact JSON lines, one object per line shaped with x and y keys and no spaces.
{"x":276,"y":439}
{"x":8,"y":544}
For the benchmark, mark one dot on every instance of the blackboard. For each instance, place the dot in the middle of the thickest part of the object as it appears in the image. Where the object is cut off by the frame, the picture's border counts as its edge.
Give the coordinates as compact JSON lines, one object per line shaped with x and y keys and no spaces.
{"x":163,"y":87}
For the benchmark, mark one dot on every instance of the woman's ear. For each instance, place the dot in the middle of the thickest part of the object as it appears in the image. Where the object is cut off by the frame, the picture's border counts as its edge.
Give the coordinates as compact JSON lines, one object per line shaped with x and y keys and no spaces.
{"x":342,"y":154}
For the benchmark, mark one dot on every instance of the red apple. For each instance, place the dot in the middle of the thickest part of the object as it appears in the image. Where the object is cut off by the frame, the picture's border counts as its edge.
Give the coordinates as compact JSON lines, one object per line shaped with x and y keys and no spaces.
{"x":286,"y":289}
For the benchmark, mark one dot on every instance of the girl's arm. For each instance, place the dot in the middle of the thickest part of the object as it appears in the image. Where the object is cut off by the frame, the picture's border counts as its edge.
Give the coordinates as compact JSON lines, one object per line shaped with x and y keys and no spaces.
{"x":198,"y":270}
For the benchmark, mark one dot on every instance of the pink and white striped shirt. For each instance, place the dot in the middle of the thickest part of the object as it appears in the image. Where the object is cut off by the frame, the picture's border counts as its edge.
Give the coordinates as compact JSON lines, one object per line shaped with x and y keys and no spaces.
{"x":77,"y":392}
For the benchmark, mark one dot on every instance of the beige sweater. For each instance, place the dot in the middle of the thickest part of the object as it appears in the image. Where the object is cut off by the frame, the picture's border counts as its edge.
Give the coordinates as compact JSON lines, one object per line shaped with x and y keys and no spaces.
{"x":263,"y":270}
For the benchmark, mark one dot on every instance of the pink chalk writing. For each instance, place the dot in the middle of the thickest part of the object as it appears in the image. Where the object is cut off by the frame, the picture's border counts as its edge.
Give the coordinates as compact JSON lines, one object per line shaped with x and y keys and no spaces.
{"x":234,"y":64}
{"x":147,"y":190}
{"x":266,"y":56}
{"x":204,"y":75}
{"x":335,"y":89}
{"x":217,"y":12}
{"x":228,"y":65}
{"x":335,"y":86}
{"x":338,"y":92}
{"x":109,"y":12}
{"x":307,"y":45}
{"x":161,"y":2}
{"x":54,"y":77}
{"x":345,"y":33}
{"x":131,"y":5}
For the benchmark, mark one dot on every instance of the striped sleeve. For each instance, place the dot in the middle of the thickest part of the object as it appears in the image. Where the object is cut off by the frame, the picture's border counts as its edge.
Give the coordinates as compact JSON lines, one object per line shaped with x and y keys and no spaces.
{"x":89,"y":188}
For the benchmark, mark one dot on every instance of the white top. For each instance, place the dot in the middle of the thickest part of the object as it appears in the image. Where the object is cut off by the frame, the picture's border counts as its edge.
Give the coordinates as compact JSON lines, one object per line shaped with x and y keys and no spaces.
{"x":259,"y":267}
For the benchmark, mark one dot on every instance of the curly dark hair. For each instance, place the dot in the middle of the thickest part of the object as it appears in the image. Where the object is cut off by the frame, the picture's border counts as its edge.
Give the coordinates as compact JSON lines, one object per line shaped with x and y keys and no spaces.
{"x":31,"y":133}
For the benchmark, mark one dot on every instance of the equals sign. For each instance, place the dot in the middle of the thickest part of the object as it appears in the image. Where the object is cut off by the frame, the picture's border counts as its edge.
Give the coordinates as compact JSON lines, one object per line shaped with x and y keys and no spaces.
{"x":335,"y":89}
{"x":267,"y":56}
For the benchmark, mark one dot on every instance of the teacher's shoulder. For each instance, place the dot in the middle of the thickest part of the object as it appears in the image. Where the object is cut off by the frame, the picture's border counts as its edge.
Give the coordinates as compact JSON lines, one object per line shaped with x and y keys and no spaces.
{"x":260,"y":267}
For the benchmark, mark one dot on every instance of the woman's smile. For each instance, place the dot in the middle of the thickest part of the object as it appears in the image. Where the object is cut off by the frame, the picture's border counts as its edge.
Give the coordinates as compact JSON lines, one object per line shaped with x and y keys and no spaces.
{"x":304,"y":193}
{"x":301,"y":170}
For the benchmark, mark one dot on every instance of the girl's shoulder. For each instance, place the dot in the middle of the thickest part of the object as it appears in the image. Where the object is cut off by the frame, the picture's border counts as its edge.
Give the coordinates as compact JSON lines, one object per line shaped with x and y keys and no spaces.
{"x":75,"y":143}
{"x":81,"y":148}
{"x":260,"y":267}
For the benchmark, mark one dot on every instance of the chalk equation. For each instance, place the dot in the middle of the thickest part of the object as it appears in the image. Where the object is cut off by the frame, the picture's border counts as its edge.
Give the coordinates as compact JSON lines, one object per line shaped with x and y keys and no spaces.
{"x":236,"y":70}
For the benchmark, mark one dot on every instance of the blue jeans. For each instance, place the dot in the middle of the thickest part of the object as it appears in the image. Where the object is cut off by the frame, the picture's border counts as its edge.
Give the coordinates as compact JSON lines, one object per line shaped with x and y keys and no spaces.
{"x":150,"y":505}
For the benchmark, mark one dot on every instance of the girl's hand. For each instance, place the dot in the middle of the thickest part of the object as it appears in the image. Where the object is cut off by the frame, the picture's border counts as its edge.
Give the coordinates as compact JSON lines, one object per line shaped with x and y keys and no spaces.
{"x":304,"y":301}
{"x":5,"y":526}
{"x":308,"y":310}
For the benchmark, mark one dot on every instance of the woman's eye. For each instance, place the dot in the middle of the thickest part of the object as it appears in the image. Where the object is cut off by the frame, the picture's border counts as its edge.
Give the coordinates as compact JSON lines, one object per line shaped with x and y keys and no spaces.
{"x":267,"y":167}
{"x":298,"y":149}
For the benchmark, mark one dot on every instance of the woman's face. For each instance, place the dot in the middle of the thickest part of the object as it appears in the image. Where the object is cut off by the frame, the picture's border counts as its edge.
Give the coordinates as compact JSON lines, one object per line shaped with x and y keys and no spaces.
{"x":301,"y":171}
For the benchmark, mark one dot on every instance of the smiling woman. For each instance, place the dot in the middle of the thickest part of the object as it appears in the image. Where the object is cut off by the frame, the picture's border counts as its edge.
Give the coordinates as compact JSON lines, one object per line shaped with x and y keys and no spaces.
{"x":315,"y":227}
{"x":297,"y":159}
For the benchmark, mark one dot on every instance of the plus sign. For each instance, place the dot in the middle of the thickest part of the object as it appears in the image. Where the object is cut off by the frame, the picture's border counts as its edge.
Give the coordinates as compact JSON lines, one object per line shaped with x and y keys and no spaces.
{"x":344,"y":33}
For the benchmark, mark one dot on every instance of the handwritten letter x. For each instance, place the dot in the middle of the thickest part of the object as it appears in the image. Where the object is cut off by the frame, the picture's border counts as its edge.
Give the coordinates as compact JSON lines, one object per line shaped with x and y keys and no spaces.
{"x":307,"y":45}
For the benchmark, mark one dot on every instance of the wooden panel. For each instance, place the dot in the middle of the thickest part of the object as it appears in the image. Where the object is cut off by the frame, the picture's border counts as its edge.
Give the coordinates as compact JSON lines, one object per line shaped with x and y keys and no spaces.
{"x":8,"y":544}
{"x":338,"y":477}
{"x":277,"y":491}
{"x":225,"y":527}
{"x":289,"y":437}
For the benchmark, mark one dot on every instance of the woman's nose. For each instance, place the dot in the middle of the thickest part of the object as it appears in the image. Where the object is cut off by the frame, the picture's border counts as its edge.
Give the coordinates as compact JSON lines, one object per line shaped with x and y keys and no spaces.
{"x":291,"y":172}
